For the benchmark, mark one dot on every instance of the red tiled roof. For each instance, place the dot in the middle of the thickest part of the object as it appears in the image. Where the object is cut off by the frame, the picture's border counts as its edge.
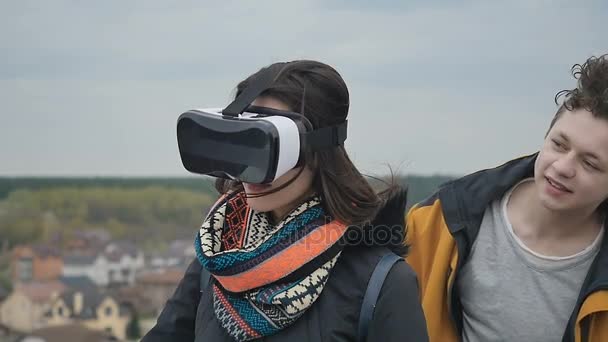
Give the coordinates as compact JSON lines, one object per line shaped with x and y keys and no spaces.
{"x":167,"y":277}
{"x":40,"y":291}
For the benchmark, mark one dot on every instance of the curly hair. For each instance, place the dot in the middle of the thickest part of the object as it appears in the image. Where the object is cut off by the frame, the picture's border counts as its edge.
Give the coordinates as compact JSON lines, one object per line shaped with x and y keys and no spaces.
{"x":591,"y":92}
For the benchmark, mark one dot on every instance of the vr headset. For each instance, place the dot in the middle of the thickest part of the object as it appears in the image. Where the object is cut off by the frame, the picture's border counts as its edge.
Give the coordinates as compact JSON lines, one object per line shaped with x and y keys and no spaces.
{"x":248,"y":143}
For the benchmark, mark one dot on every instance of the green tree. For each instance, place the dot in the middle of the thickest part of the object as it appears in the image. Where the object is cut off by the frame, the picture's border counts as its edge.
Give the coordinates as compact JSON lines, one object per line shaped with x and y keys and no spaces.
{"x":133,"y":329}
{"x":5,"y":280}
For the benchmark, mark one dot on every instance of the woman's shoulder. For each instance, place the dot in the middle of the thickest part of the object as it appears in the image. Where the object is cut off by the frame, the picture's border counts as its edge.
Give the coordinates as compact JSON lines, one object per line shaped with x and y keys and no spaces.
{"x":352,"y":274}
{"x":358,"y":263}
{"x":403,"y":275}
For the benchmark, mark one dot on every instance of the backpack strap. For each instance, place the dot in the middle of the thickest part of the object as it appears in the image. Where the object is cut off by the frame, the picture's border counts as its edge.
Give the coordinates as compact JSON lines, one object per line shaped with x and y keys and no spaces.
{"x":373,"y":291}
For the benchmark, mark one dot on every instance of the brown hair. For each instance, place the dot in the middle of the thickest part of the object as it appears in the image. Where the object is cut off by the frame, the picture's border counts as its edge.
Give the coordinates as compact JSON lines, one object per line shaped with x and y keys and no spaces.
{"x":318,"y":92}
{"x":591,"y":92}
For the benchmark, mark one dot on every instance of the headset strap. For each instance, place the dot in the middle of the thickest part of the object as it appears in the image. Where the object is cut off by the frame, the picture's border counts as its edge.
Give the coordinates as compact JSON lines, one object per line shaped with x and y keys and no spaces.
{"x":253,"y":90}
{"x":325,"y":137}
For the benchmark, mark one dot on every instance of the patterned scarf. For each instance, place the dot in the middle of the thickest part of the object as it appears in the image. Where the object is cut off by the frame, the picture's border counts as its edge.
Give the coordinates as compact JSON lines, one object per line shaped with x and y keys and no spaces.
{"x":266,"y":276}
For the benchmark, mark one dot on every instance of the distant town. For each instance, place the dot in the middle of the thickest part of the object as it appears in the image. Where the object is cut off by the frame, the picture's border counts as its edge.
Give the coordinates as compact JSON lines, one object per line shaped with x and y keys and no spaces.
{"x":95,"y":259}
{"x":106,"y":288}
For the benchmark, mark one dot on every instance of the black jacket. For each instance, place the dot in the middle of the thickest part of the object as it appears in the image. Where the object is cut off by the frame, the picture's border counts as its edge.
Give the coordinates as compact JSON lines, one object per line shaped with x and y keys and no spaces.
{"x":398,"y":316}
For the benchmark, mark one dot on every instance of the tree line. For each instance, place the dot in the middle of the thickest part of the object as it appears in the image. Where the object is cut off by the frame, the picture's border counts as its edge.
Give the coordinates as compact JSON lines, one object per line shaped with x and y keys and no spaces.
{"x":150,"y":211}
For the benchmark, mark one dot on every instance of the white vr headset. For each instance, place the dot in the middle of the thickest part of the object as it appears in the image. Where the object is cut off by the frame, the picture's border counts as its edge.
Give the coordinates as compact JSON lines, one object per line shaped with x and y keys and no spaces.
{"x":249,"y":143}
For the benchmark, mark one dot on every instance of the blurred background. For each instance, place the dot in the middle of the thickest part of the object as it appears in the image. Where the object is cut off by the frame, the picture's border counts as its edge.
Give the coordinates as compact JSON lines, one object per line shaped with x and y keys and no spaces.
{"x":97,"y":214}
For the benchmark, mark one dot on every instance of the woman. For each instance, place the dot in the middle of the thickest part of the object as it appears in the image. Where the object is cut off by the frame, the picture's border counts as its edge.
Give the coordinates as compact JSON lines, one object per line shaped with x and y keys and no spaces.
{"x":291,"y":260}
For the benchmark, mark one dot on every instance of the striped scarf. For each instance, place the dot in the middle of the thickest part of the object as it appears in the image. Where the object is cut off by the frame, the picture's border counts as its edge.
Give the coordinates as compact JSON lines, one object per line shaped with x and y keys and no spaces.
{"x":266,"y":276}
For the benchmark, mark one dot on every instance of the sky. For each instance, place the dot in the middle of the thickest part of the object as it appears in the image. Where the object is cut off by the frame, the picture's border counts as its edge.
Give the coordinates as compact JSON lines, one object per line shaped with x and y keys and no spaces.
{"x":436,"y":87}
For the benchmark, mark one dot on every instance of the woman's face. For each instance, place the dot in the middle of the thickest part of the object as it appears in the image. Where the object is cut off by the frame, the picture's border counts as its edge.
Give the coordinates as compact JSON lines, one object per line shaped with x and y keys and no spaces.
{"x":286,"y":199}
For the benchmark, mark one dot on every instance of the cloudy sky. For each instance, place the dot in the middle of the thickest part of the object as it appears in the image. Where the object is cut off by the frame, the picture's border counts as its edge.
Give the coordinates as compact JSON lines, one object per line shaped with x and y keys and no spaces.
{"x":95,"y":87}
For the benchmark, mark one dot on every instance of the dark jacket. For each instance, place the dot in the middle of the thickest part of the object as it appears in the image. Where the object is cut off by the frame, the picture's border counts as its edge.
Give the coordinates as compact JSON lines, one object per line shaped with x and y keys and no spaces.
{"x":189,"y":315}
{"x":441,"y":232}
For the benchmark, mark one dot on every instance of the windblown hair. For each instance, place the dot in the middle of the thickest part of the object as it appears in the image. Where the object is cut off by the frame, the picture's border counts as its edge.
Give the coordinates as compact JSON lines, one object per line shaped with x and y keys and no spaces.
{"x":318,"y":92}
{"x":591,"y":92}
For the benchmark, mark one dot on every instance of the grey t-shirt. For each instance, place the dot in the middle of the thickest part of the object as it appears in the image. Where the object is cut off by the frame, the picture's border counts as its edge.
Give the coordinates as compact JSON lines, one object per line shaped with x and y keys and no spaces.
{"x":510,"y":293}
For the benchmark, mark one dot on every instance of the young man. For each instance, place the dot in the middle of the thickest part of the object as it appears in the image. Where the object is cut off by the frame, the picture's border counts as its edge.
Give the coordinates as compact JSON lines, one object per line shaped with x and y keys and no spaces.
{"x":518,"y":252}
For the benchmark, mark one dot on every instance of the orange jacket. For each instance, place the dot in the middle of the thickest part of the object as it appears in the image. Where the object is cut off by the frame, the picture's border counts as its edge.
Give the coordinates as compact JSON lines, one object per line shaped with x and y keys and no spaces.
{"x":441,"y":231}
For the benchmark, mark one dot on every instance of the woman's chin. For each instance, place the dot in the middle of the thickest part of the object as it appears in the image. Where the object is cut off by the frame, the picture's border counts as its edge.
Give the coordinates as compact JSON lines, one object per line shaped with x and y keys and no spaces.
{"x":260,"y":204}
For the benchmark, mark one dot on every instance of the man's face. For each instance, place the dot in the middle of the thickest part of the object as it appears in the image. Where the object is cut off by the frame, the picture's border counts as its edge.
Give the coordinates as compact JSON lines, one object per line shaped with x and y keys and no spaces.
{"x":571,"y":172}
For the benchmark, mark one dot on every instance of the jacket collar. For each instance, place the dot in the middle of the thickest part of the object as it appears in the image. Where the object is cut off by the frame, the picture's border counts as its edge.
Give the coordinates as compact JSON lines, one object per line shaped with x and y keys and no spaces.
{"x":465,"y":200}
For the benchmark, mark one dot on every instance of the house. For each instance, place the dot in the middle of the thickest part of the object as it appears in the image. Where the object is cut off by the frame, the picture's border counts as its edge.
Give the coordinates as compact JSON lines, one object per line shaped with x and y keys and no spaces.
{"x":24,"y":309}
{"x":68,"y":332}
{"x":7,"y":334}
{"x":79,"y":282}
{"x":179,"y":254}
{"x":83,"y":241}
{"x":117,"y":263}
{"x":183,"y":248}
{"x":91,"y":308}
{"x":125,"y":261}
{"x":95,"y":267}
{"x":157,"y":287}
{"x":151,"y":291}
{"x":35,"y":263}
{"x":135,"y":297}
